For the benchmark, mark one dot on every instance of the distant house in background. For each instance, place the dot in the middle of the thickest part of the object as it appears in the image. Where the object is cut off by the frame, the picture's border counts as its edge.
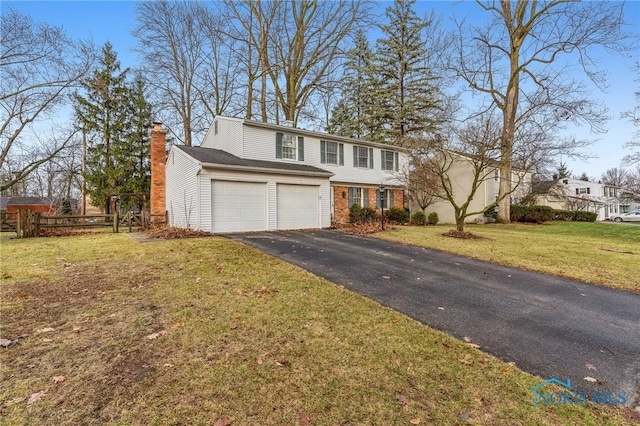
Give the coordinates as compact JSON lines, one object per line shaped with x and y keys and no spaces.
{"x":575,"y":194}
{"x":42,"y":205}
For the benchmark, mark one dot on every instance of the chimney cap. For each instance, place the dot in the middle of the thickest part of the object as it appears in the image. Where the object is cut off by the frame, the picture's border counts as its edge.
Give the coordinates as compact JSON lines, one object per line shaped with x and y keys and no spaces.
{"x":157,"y":125}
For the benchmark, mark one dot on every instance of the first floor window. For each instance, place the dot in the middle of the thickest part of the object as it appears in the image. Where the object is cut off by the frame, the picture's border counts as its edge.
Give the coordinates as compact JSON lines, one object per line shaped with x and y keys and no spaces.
{"x":359,"y":196}
{"x":386,"y":200}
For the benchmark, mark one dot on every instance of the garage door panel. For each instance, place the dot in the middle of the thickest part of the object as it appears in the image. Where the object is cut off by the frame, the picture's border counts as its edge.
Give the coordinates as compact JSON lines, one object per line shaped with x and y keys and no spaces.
{"x":298,"y":206}
{"x":239,"y":206}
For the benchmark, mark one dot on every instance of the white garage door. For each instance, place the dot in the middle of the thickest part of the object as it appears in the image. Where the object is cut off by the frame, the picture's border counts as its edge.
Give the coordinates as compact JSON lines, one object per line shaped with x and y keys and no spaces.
{"x":238,"y":206}
{"x":298,"y":206}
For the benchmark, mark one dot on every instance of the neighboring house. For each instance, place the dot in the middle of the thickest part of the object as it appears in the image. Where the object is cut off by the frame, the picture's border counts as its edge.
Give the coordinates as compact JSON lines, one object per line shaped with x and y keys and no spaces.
{"x":42,"y":205}
{"x":629,"y":201}
{"x":254,"y":176}
{"x":461,"y":174}
{"x":575,"y":194}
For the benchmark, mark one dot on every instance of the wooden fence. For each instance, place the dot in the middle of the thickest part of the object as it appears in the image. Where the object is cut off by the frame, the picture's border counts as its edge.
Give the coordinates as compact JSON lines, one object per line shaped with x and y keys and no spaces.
{"x":27,"y":224}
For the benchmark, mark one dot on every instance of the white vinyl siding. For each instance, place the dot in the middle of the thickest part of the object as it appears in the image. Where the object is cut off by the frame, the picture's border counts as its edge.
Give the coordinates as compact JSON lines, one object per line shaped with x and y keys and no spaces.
{"x":182,"y":190}
{"x":228,"y":137}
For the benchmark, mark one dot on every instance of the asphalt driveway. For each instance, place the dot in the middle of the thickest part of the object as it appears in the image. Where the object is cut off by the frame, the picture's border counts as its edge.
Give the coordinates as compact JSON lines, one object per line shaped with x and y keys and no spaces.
{"x":549,"y":326}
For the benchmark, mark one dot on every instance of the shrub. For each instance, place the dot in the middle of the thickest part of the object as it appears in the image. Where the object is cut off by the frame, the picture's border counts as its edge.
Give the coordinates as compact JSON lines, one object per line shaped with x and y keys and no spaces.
{"x":582,"y":216}
{"x":433,"y":218}
{"x":491,"y":212}
{"x":418,"y":218}
{"x":355,"y":212}
{"x":369,"y":215}
{"x":397,"y":214}
{"x":575,"y":215}
{"x":531,"y":214}
{"x":359,"y":214}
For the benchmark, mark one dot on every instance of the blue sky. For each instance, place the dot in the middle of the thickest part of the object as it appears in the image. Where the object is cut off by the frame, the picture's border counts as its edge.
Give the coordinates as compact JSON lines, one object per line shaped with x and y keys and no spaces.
{"x":114,"y":20}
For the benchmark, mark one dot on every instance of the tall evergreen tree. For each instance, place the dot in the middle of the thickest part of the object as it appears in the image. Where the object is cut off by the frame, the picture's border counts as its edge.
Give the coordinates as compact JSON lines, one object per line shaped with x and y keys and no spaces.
{"x":138,"y":141}
{"x":407,"y":97}
{"x":353,"y":116}
{"x":113,"y":114}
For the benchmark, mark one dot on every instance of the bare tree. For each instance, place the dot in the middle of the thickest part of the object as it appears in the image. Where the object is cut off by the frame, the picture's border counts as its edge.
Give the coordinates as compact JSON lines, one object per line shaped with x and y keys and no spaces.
{"x":523,"y":60}
{"x":250,"y":24}
{"x":615,"y":177}
{"x":188,"y":66}
{"x":462,"y":162}
{"x":634,"y":116}
{"x":39,"y":65}
{"x":295,"y":44}
{"x":423,"y":184}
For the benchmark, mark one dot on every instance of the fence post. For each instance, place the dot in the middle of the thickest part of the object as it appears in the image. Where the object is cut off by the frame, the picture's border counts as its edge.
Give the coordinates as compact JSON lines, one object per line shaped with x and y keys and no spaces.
{"x":115,"y":222}
{"x":36,"y":223}
{"x":18,"y":224}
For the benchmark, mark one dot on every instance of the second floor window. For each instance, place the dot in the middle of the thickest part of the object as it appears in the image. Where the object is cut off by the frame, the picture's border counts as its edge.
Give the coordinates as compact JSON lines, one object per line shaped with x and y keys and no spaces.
{"x":289,"y":147}
{"x":331,"y":153}
{"x":363,"y":157}
{"x":389,"y":160}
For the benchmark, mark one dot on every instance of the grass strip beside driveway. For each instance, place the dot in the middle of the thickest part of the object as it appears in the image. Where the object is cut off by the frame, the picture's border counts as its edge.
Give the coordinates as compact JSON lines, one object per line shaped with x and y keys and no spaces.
{"x":598,"y":253}
{"x":200,"y":330}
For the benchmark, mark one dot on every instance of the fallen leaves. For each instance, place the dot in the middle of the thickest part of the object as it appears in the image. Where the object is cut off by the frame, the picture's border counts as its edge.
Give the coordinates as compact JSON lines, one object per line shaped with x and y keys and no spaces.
{"x":35,"y":397}
{"x":590,"y":379}
{"x":224,"y":421}
{"x":155,"y":335}
{"x":304,"y":419}
{"x":414,"y":421}
{"x":468,"y":341}
{"x":45,"y":330}
{"x":591,"y":367}
{"x":465,"y":361}
{"x":14,"y":401}
{"x":402,"y":399}
{"x":58,"y":379}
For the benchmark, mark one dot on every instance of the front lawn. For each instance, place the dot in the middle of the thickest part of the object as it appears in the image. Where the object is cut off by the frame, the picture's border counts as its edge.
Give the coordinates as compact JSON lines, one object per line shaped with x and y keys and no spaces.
{"x":208,"y":331}
{"x":599,"y":253}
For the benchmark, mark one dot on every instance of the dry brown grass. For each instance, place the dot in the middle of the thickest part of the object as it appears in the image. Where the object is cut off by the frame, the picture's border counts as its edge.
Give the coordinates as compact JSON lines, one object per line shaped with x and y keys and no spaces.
{"x":196,"y":330}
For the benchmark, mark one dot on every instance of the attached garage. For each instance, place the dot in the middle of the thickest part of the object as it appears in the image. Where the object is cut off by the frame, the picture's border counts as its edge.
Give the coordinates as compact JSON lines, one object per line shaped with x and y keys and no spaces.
{"x":238,"y":206}
{"x":298,"y":206}
{"x":215,"y":191}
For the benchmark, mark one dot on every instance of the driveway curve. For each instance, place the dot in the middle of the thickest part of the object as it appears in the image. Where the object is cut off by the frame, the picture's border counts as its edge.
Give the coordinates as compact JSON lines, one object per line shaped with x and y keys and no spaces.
{"x":548,"y":326}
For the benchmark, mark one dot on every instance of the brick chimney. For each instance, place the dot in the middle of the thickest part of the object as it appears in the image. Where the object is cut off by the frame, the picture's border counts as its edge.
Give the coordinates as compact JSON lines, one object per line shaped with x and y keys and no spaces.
{"x":158,"y":176}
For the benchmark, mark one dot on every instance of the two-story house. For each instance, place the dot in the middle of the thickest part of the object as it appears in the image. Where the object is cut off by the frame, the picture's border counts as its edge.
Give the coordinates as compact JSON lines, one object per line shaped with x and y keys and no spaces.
{"x":254,"y":176}
{"x":576,"y":194}
{"x":463,"y":172}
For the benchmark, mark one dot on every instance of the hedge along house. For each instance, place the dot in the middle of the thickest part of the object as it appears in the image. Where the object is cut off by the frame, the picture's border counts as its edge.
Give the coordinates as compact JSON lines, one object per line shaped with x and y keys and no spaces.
{"x":254,"y":176}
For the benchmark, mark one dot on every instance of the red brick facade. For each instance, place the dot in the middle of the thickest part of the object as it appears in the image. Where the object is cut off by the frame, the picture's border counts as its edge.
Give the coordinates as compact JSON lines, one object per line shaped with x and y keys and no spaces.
{"x":158,"y":177}
{"x":341,"y":201}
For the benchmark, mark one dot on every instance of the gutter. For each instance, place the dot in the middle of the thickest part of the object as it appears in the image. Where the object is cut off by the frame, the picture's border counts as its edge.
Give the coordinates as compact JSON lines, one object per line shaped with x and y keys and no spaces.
{"x":266,"y":170}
